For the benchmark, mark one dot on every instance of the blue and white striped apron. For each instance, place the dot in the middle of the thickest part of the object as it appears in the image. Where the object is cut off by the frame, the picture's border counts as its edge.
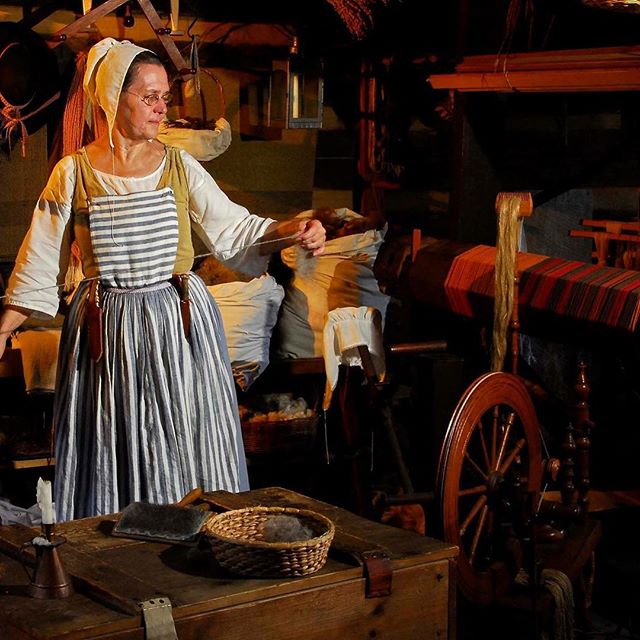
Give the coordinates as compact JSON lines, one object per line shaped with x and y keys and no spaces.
{"x":157,"y":415}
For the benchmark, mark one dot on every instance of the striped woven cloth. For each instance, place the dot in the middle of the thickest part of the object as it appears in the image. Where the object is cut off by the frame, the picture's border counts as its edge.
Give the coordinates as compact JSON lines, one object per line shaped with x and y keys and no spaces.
{"x":601,"y":295}
{"x":472,"y":274}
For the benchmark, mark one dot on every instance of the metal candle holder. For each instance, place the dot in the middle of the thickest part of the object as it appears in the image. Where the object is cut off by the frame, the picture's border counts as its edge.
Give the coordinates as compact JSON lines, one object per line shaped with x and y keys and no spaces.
{"x":48,"y":579}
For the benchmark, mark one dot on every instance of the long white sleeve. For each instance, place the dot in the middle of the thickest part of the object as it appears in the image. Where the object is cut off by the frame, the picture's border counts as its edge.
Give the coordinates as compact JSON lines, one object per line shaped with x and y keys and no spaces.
{"x":41,"y":263}
{"x":227,"y":229}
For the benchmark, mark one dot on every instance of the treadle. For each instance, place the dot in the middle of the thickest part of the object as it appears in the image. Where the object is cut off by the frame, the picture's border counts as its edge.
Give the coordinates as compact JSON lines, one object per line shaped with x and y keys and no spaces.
{"x":573,"y":553}
{"x":571,"y":556}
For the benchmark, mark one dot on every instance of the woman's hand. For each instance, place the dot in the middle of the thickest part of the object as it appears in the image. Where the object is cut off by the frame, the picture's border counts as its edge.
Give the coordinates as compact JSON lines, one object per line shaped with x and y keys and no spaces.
{"x":10,"y":319}
{"x":311,"y":236}
{"x":308,"y":234}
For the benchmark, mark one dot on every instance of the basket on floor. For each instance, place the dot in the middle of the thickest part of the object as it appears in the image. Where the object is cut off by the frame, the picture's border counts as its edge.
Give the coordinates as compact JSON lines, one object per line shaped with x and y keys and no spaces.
{"x":279,"y":437}
{"x":238,"y":543}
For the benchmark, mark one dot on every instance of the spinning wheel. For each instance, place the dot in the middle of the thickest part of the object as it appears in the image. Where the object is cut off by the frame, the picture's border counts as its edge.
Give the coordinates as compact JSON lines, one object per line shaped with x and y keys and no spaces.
{"x":490,"y":456}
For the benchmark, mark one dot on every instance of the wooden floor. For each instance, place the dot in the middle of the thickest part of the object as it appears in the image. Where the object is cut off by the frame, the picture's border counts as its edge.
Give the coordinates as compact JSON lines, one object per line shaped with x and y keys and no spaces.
{"x":605,"y":629}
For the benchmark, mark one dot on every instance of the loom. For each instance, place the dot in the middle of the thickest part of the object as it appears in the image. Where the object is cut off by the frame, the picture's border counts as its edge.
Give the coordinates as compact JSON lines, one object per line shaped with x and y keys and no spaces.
{"x":555,"y":296}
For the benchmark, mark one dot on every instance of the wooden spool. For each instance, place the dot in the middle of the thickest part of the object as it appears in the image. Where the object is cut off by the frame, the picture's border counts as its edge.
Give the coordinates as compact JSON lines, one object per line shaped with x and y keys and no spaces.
{"x":526,"y":202}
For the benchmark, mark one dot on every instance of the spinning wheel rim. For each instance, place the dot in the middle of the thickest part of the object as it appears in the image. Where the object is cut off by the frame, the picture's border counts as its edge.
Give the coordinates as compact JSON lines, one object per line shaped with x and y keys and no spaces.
{"x":491,"y":392}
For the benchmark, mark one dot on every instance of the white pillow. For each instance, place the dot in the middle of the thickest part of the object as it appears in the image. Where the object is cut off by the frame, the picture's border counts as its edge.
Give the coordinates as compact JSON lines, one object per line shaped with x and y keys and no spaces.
{"x":342,"y":276}
{"x":249,"y":312}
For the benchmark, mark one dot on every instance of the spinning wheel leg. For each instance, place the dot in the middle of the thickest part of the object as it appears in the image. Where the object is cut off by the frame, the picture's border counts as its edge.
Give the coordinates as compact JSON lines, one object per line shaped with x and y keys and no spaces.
{"x":491,"y":450}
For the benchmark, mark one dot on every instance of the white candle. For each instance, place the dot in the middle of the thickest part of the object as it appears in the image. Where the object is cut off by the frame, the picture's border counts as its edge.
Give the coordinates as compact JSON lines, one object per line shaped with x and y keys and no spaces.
{"x":45,"y":502}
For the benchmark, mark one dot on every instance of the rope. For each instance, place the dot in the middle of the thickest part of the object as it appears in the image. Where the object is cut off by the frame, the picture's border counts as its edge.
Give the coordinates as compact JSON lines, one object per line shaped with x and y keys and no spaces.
{"x":11,"y":114}
{"x":194,"y":59}
{"x":561,"y":590}
{"x":75,"y":109}
{"x":12,"y":117}
{"x":505,"y":271}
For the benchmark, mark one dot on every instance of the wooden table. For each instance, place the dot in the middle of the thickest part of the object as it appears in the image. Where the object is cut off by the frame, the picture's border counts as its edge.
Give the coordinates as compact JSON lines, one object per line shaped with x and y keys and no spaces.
{"x":112,"y":575}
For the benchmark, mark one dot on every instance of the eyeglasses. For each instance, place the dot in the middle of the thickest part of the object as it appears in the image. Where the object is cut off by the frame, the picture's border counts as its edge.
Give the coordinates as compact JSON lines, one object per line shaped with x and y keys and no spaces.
{"x":152,"y":99}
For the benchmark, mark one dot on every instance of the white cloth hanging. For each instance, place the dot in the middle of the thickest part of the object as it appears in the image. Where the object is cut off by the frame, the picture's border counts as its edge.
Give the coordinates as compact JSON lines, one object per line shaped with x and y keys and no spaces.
{"x":345,"y":330}
{"x":39,"y":353}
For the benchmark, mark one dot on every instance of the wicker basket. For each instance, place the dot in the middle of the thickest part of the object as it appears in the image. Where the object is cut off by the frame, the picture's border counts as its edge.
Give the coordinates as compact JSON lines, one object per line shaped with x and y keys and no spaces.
{"x":238,"y":543}
{"x":281,"y":437}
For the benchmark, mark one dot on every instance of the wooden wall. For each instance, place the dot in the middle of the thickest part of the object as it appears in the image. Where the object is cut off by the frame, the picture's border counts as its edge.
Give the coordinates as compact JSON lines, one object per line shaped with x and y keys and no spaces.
{"x":21,"y":180}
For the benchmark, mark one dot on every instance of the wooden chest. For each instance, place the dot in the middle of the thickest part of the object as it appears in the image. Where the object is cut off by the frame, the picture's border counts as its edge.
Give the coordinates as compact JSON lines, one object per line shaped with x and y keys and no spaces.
{"x":113,"y":575}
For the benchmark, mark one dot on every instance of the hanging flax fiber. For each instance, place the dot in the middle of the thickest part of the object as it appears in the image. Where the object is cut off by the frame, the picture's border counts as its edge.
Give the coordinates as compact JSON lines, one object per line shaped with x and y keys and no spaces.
{"x":508,"y":208}
{"x":357,"y":15}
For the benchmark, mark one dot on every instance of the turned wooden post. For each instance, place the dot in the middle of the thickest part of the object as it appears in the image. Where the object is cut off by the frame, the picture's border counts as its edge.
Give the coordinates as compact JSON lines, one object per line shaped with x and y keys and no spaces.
{"x":583,"y":425}
{"x":567,"y":469}
{"x":515,"y":326}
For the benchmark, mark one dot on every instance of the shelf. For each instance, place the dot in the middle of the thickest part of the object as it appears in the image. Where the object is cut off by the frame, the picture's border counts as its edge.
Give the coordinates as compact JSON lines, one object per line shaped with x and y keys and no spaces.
{"x":28,"y":463}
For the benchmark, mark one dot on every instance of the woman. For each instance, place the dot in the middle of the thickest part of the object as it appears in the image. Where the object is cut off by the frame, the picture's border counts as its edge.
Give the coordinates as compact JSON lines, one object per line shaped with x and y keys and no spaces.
{"x":145,"y":406}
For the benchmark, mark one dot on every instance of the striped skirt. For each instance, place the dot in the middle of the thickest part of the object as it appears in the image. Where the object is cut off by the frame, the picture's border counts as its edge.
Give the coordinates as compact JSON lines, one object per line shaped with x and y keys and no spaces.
{"x":157,"y":416}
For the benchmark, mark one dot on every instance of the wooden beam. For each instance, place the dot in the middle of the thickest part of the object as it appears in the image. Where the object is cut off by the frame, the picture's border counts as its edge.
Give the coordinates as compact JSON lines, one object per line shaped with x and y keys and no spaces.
{"x":159,"y":28}
{"x":537,"y":81}
{"x":84,"y":21}
{"x":164,"y":36}
{"x":618,"y":237}
{"x":609,"y":69}
{"x":603,"y":57}
{"x":603,"y":224}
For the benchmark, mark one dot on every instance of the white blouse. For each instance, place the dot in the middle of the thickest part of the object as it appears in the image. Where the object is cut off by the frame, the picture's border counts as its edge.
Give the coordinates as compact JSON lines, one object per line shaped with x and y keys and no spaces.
{"x":226,"y":228}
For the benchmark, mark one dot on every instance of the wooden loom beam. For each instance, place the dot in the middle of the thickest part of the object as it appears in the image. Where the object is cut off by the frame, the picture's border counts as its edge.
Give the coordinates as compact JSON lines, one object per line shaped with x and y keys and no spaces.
{"x":162,"y":32}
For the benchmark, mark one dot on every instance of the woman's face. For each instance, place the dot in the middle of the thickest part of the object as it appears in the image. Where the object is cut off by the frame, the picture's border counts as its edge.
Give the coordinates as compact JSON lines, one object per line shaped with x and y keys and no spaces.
{"x":135,"y":119}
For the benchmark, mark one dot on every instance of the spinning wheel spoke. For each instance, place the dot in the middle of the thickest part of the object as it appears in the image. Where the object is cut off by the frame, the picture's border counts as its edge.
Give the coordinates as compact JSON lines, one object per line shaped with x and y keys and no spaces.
{"x":485,"y":453}
{"x":505,"y":436}
{"x":480,"y":502}
{"x":494,"y":433}
{"x":512,"y":455}
{"x":477,"y":533}
{"x":475,"y":466}
{"x":471,"y":491}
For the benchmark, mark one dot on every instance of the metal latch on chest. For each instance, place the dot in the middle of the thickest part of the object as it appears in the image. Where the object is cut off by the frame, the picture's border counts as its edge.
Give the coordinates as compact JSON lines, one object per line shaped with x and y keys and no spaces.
{"x":157,"y":618}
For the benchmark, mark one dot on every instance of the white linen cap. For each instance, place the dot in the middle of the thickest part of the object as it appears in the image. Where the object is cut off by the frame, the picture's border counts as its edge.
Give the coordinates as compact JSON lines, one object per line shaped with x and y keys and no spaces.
{"x":107,"y":65}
